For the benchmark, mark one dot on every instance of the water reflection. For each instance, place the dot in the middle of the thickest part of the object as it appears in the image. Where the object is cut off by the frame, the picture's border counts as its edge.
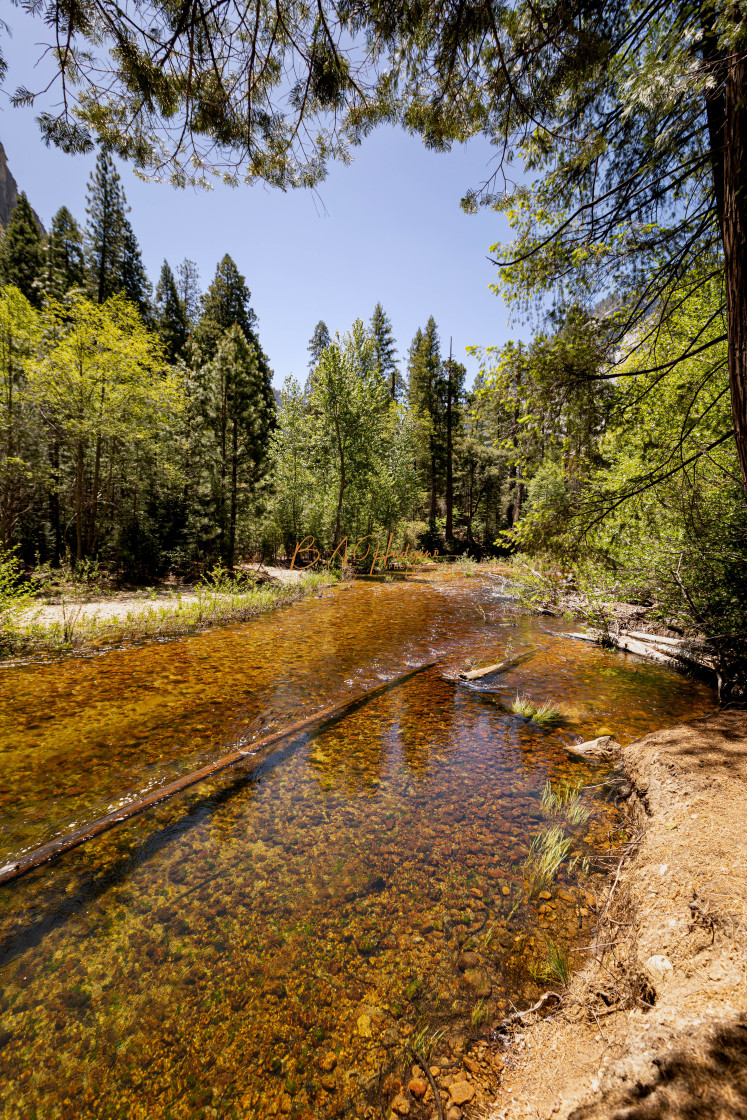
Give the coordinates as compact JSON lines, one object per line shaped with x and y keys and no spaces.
{"x":270,"y":942}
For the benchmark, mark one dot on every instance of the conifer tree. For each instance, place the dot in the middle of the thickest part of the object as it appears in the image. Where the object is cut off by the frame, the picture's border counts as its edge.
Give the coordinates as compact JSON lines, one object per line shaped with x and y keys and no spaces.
{"x":318,"y":342}
{"x":188,"y":287}
{"x":425,"y":391}
{"x":385,"y":349}
{"x":239,"y":407}
{"x":105,"y":230}
{"x":225,"y":302}
{"x":22,"y":252}
{"x":171,"y":320}
{"x":66,"y":267}
{"x":453,"y":375}
{"x":133,"y":278}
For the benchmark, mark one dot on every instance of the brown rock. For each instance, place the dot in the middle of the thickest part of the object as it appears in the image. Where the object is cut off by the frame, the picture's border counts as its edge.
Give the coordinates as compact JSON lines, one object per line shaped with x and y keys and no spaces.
{"x":467,"y":960}
{"x":462,"y":1092}
{"x":328,"y":1063}
{"x":401,"y":1106}
{"x":470,"y":1065}
{"x":479,"y":982}
{"x":454,"y":1113}
{"x":418,"y":1088}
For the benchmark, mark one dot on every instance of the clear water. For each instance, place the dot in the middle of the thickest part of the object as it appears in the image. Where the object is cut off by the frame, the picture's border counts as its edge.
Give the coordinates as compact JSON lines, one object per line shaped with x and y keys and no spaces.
{"x":269,"y":942}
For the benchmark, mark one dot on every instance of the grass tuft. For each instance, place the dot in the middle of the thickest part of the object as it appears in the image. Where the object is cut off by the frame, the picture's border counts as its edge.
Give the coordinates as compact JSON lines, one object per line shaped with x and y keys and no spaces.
{"x":556,"y":965}
{"x":564,"y":800}
{"x":545,"y":714}
{"x":547,"y":852}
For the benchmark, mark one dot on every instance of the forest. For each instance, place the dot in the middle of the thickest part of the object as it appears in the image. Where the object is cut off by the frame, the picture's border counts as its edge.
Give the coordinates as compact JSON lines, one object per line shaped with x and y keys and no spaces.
{"x":140,"y":434}
{"x":140,"y":431}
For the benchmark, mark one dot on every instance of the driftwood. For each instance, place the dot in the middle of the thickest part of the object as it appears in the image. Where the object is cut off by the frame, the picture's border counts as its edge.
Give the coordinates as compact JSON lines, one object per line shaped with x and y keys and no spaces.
{"x":499,"y":667}
{"x":30,"y":860}
{"x":677,"y":653}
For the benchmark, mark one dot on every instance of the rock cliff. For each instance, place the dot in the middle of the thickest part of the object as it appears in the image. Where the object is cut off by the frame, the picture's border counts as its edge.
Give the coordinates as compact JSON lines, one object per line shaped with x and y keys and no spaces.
{"x":9,"y":192}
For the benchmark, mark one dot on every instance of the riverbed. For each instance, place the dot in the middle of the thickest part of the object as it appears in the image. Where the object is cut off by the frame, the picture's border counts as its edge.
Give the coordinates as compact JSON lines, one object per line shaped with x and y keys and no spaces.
{"x":272,"y":941}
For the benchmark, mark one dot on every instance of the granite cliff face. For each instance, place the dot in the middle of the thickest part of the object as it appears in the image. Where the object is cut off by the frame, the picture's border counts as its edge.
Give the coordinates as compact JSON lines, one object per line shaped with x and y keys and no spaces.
{"x":9,"y":192}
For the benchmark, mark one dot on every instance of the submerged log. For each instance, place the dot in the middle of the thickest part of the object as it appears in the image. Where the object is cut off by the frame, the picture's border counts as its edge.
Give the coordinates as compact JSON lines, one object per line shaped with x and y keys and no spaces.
{"x":680,"y":653}
{"x":30,"y":860}
{"x":499,"y":667}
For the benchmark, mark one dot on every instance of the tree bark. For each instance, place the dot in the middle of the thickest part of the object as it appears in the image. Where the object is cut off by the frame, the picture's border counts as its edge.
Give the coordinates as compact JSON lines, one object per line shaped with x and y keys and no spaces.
{"x":234,"y":488}
{"x":734,"y":232}
{"x":449,"y":465}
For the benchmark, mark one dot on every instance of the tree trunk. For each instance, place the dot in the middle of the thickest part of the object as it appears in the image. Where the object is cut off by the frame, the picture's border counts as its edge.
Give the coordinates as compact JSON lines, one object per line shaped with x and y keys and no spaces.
{"x":432,"y":516}
{"x":734,"y":231}
{"x":54,"y":503}
{"x":449,"y":465}
{"x":79,"y":463}
{"x":234,"y":488}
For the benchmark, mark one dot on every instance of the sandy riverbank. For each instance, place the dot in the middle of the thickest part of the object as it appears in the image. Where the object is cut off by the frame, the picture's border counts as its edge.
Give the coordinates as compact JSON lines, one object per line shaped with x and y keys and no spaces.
{"x":655,"y":1025}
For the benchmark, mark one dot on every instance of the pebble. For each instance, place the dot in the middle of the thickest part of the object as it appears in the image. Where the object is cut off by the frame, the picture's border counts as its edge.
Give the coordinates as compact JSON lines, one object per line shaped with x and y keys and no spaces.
{"x":462,"y":1092}
{"x":467,"y":960}
{"x":401,"y":1106}
{"x":418,"y":1088}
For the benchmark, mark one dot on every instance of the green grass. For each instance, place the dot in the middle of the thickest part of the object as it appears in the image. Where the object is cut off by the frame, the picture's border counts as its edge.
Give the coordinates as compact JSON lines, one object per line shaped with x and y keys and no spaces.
{"x":547,"y":852}
{"x":564,"y":800}
{"x":556,"y":965}
{"x":544,"y":714}
{"x":214,"y":605}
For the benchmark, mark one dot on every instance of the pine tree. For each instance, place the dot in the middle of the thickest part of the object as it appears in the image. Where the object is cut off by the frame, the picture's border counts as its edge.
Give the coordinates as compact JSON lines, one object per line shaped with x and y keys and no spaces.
{"x":171,"y":320}
{"x":385,"y":349}
{"x":188,"y":287}
{"x":425,"y":391}
{"x":240,"y":407}
{"x":225,"y":302}
{"x":133,"y":277}
{"x":106,"y":229}
{"x":66,"y":267}
{"x":22,"y":252}
{"x":453,"y":375}
{"x":318,"y":342}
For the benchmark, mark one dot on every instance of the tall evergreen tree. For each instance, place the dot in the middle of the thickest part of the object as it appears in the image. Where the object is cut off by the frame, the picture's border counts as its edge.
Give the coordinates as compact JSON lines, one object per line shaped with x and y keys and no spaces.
{"x":105,"y":230}
{"x":425,"y":392}
{"x":225,"y":302}
{"x":453,"y":375}
{"x":66,"y":268}
{"x":385,"y":349}
{"x":171,"y":320}
{"x":318,"y":342}
{"x":22,"y":252}
{"x":134,"y":279}
{"x":240,"y":409}
{"x":188,"y":287}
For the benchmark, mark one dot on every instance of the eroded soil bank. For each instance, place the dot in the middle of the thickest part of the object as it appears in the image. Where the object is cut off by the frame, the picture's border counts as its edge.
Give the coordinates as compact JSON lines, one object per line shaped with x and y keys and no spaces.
{"x":656,"y":1024}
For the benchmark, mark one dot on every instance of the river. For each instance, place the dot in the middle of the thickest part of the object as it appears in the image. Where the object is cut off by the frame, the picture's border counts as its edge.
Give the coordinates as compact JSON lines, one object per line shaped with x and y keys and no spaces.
{"x":271,"y":941}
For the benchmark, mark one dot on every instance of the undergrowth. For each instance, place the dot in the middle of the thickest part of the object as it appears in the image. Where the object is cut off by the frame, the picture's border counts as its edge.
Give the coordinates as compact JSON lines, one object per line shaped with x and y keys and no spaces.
{"x":220,"y":599}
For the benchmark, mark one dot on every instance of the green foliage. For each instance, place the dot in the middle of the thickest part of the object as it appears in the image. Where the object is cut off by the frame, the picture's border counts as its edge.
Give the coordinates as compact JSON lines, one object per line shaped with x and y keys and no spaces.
{"x":66,"y":267}
{"x":22,"y":252}
{"x":15,"y":596}
{"x":385,"y":349}
{"x":170,"y":315}
{"x":318,"y":342}
{"x":106,"y":209}
{"x":225,"y":302}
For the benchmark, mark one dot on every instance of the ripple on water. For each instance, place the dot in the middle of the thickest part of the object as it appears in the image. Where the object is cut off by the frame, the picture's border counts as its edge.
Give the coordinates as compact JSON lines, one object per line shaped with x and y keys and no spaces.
{"x":268,"y":943}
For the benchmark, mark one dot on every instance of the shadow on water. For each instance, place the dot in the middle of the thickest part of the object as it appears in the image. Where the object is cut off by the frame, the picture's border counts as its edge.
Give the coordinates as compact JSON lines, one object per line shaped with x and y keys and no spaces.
{"x":270,"y":943}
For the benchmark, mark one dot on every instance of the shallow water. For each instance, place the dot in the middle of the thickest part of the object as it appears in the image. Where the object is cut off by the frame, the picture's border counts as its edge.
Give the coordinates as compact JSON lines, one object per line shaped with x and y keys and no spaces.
{"x":268,"y":942}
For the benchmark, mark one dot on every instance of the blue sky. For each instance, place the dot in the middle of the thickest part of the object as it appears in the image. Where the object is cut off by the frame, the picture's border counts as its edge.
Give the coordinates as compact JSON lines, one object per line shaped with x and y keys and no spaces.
{"x":387,"y":228}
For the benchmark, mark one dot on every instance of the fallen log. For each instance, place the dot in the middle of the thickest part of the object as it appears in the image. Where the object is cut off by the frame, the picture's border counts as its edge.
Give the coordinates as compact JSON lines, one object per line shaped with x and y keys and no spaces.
{"x":674,"y":659}
{"x":46,"y":852}
{"x":499,"y":667}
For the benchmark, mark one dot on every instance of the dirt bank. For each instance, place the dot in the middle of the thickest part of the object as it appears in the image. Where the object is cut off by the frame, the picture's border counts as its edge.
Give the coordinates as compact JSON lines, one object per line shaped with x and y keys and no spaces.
{"x":656,"y":1024}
